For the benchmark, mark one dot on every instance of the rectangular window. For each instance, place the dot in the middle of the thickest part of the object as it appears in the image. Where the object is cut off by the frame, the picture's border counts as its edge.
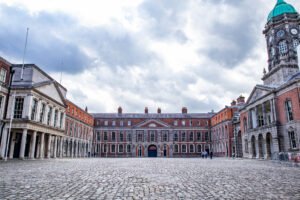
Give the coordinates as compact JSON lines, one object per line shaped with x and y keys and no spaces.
{"x":260,"y":117}
{"x":105,"y":137}
{"x":98,"y":136}
{"x":3,"y":75}
{"x":128,"y":148}
{"x":121,"y":123}
{"x":293,"y":140}
{"x":33,"y":109}
{"x":183,"y":148}
{"x":183,"y":123}
{"x":191,"y":136}
{"x":191,"y":148}
{"x":113,"y":123}
{"x":61,"y":120}
{"x":105,"y":123}
{"x":176,"y":137}
{"x":129,"y":123}
{"x":289,"y":110}
{"x":55,"y":117}
{"x":19,"y":102}
{"x":198,"y":136}
{"x":165,"y":137}
{"x":128,"y":137}
{"x":113,"y":148}
{"x":49,"y":116}
{"x":183,"y":136}
{"x":42,"y":112}
{"x":191,"y":123}
{"x":71,"y":129}
{"x":113,"y":136}
{"x":152,"y":136}
{"x":206,"y":136}
{"x":121,"y":137}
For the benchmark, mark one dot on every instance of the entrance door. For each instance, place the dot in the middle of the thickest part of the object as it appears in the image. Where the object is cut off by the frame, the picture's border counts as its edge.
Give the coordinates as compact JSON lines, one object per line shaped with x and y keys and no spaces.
{"x":152,"y":151}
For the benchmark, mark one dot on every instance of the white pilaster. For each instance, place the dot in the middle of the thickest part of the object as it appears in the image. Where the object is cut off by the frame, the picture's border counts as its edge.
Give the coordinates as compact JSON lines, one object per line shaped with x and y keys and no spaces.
{"x":49,"y":146}
{"x":12,"y":145}
{"x":32,"y":145}
{"x":42,"y":146}
{"x":23,"y":144}
{"x":55,"y":147}
{"x":3,"y":143}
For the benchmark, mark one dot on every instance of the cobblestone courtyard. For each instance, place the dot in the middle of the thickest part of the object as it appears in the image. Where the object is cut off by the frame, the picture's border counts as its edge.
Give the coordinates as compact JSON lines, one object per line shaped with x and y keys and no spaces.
{"x":148,"y":179}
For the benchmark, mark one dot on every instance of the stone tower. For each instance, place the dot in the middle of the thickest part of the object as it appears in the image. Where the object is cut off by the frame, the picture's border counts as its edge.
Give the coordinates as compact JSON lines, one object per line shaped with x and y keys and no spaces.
{"x":282,"y":33}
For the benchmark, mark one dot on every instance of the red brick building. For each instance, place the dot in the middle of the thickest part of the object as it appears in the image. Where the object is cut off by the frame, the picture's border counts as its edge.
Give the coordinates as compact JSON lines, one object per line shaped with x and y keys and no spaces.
{"x":151,"y":134}
{"x":270,"y":121}
{"x":222,"y":132}
{"x":78,"y":132}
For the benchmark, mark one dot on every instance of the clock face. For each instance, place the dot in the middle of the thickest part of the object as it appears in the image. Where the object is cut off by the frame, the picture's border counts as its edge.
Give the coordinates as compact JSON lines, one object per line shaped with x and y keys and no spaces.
{"x":294,"y":31}
{"x":280,"y":33}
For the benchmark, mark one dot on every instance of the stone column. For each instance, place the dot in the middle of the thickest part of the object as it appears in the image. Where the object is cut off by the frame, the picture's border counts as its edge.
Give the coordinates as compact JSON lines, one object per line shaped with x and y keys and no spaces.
{"x":3,"y":143}
{"x":55,"y":147}
{"x":12,"y":145}
{"x":61,"y":147}
{"x":257,"y":147}
{"x":23,"y":144}
{"x":72,"y":148}
{"x":42,"y":146}
{"x":49,"y":146}
{"x":32,"y":145}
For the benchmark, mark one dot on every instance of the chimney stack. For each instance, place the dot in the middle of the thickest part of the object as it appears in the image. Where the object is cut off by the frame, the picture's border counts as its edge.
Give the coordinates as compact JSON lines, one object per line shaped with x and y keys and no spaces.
{"x":184,"y":110}
{"x":159,"y":111}
{"x":120,"y":110}
{"x":146,"y":110}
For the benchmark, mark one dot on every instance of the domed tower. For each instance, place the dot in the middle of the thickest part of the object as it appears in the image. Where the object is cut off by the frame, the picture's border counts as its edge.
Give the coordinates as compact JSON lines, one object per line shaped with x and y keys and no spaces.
{"x":282,"y":33}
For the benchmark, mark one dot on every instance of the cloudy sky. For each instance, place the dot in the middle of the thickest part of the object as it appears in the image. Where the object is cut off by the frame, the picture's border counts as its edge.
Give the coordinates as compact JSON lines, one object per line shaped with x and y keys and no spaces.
{"x":135,"y":53}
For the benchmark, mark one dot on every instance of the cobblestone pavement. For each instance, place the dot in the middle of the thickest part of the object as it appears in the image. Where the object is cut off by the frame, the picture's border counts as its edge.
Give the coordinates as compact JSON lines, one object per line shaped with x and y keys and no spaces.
{"x":145,"y":178}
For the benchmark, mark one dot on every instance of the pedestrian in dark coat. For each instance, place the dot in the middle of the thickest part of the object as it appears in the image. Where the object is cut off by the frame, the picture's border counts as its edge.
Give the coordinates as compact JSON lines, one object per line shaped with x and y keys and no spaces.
{"x":211,"y":154}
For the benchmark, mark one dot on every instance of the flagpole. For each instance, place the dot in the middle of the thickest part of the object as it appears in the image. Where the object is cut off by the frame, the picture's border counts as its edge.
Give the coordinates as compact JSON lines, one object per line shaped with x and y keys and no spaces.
{"x":10,"y":124}
{"x":22,"y":72}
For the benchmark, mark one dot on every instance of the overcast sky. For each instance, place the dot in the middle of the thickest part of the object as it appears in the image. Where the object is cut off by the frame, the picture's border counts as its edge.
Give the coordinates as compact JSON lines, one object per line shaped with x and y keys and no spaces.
{"x":135,"y":53}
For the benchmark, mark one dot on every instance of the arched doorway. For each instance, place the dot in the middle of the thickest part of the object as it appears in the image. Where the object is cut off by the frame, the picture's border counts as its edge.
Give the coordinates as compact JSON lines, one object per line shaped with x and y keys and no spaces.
{"x":253,"y":147}
{"x":269,"y":145}
{"x":260,"y":146}
{"x":152,"y":151}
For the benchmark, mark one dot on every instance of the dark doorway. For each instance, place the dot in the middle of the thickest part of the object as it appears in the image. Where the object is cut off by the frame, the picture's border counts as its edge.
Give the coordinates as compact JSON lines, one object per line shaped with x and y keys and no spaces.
{"x":152,"y":151}
{"x":17,"y":145}
{"x":27,"y":145}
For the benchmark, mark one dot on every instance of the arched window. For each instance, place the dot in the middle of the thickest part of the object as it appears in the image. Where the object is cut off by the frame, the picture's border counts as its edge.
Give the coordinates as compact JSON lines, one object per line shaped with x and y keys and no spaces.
{"x":191,"y":136}
{"x":192,"y":150}
{"x":176,"y":149}
{"x":283,"y":48}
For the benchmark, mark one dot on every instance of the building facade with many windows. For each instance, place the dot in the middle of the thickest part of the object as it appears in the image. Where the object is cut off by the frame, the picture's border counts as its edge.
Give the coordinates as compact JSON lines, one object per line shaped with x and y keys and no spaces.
{"x":151,"y":134}
{"x":270,"y":121}
{"x":78,"y":132}
{"x":36,"y":112}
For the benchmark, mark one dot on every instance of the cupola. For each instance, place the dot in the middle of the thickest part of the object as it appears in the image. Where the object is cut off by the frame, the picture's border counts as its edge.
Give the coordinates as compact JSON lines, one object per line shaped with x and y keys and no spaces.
{"x":281,"y":8}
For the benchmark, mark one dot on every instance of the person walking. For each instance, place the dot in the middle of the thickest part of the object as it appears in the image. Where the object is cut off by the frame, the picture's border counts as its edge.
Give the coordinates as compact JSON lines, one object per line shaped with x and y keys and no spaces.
{"x":211,"y":155}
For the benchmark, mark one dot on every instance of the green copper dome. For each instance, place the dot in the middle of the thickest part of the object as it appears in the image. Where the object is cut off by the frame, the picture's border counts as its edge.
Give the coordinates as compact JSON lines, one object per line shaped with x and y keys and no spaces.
{"x":280,"y":8}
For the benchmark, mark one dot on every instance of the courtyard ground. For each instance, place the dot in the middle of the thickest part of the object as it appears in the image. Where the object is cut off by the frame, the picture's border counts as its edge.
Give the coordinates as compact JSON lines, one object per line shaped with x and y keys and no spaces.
{"x":146,"y":178}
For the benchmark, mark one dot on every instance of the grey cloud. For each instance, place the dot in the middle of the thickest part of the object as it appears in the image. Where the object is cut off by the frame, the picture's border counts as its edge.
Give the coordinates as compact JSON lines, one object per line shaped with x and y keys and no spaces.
{"x":235,"y":41}
{"x":45,"y":48}
{"x":165,"y":19}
